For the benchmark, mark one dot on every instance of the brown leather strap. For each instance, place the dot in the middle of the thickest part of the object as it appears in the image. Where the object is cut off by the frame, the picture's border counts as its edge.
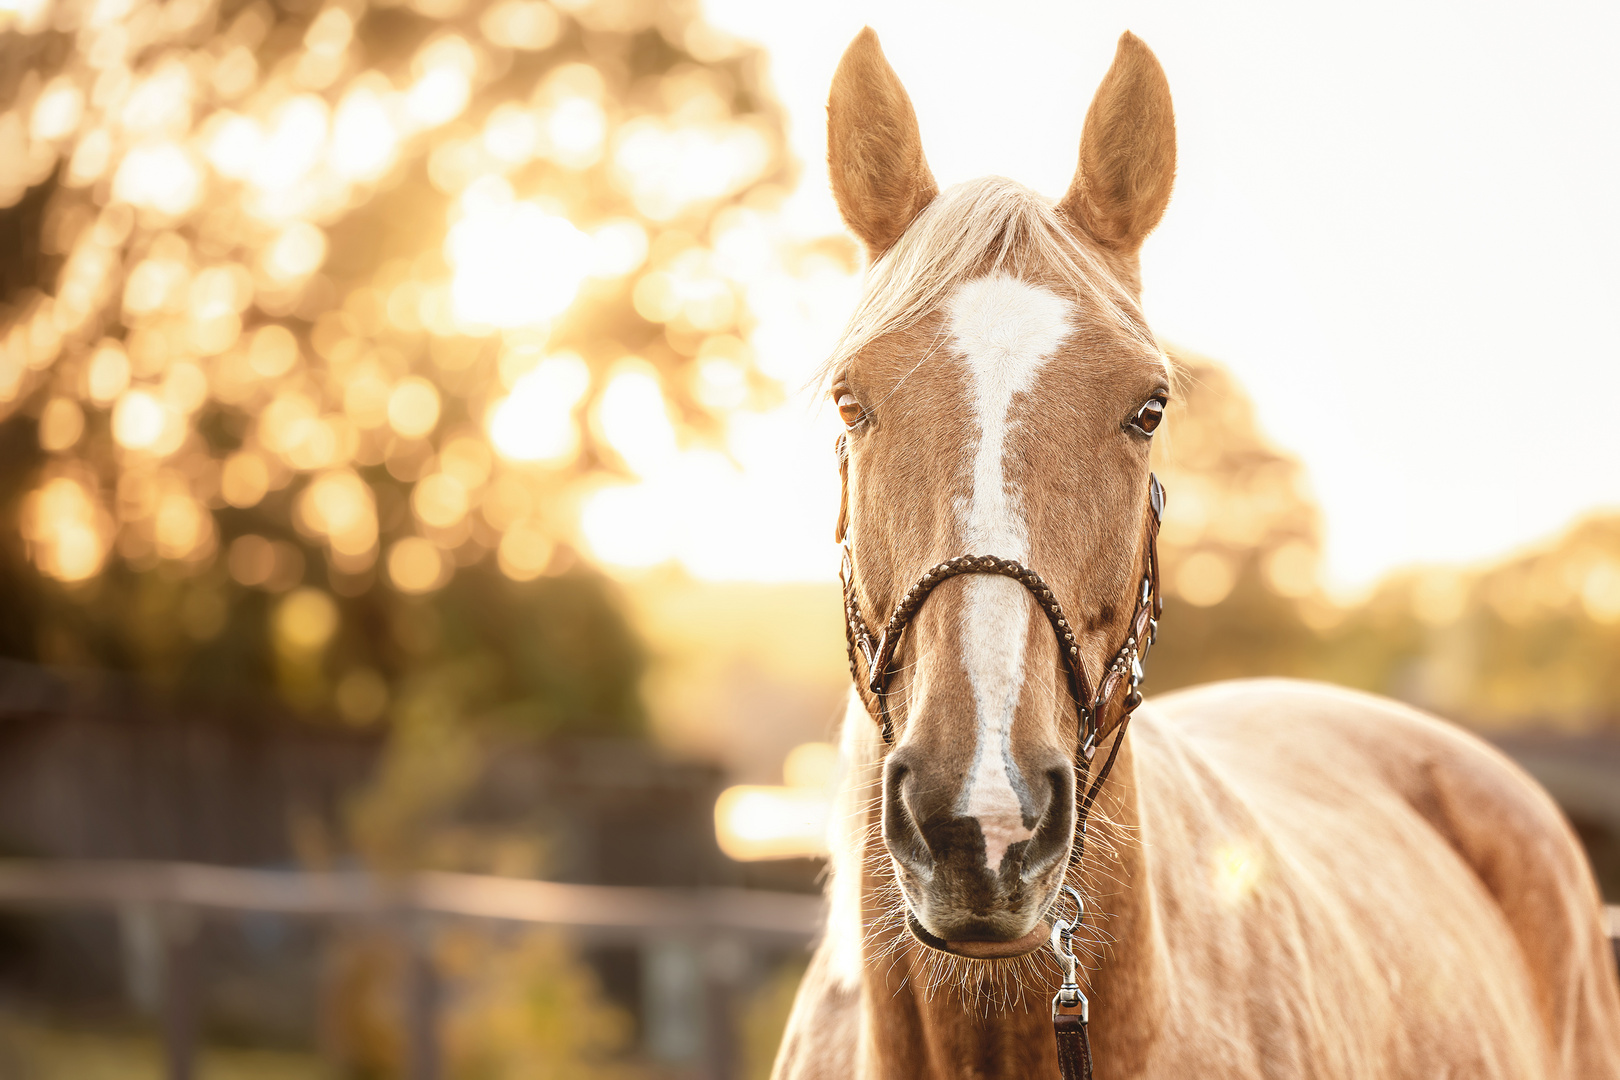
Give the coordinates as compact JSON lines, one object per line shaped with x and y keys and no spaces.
{"x":1073,"y":1046}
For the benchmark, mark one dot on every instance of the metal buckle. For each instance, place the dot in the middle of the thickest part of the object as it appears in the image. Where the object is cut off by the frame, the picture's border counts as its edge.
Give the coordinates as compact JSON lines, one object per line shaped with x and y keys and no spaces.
{"x":1069,"y":997}
{"x":864,"y":643}
{"x":875,"y":680}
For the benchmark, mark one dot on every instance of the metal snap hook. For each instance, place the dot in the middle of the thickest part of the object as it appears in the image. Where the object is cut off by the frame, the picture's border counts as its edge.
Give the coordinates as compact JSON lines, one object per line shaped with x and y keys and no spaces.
{"x":1069,"y":995}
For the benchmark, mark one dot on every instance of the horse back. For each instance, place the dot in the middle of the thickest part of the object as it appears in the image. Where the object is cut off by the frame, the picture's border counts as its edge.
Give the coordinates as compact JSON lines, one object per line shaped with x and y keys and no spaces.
{"x":1346,"y":882}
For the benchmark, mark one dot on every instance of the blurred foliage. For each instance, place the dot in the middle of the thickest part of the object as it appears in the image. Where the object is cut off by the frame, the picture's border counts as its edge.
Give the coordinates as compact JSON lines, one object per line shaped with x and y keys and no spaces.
{"x":530,"y":1009}
{"x":1530,"y":640}
{"x":1241,"y":540}
{"x":31,"y":1050}
{"x":523,"y":1005}
{"x":321,"y":320}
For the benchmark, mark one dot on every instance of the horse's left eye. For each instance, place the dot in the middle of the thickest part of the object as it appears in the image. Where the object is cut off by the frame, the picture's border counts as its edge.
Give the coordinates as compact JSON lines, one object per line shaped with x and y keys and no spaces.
{"x":1148,"y":416}
{"x":849,"y":409}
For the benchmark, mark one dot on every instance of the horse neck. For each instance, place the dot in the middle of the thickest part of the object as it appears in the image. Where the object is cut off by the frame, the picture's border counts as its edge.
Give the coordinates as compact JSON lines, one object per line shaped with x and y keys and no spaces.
{"x":928,"y":1008}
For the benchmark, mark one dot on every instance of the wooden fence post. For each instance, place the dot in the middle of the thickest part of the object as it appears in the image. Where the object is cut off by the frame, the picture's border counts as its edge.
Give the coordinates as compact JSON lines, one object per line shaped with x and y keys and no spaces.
{"x":422,"y":1051}
{"x":179,"y":993}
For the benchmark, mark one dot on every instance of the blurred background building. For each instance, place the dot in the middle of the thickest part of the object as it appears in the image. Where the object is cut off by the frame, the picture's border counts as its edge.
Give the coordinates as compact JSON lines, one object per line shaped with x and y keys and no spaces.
{"x":394,"y":398}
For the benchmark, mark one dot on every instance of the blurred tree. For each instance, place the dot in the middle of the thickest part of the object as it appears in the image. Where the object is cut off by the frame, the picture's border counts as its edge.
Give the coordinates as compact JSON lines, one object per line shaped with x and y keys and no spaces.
{"x":319,"y":320}
{"x":1531,"y":640}
{"x":1241,"y":540}
{"x":520,"y":1004}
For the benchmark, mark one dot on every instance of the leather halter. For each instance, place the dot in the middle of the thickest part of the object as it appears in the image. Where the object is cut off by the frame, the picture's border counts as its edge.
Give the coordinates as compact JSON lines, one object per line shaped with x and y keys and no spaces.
{"x":1100,"y":713}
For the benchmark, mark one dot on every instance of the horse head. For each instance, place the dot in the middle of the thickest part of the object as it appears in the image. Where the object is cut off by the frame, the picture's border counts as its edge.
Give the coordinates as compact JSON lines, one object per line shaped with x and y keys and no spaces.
{"x":1000,"y":389}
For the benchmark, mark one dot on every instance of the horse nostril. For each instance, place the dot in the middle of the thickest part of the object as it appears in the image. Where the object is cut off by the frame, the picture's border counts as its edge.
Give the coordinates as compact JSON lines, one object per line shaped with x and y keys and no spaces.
{"x":901,"y":831}
{"x":1054,"y":831}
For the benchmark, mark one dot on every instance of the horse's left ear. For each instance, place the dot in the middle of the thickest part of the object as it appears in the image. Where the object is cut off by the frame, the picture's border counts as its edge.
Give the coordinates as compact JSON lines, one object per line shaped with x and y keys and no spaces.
{"x":1127,"y":152}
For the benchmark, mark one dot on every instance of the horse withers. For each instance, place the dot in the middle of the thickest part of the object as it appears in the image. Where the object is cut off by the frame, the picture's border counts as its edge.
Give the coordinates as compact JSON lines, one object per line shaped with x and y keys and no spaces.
{"x":1280,"y":878}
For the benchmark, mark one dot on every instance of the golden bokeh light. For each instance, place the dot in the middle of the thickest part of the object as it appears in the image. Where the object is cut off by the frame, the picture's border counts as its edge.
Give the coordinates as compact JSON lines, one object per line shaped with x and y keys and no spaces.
{"x":273,"y":351}
{"x":159,"y":176}
{"x":244,"y":480}
{"x":635,"y":420}
{"x":514,"y":263}
{"x":57,"y":112}
{"x":521,"y":24}
{"x":524,"y":552}
{"x":183,"y":530}
{"x":365,"y":398}
{"x":143,"y":421}
{"x":753,"y":822}
{"x":339,"y":507}
{"x":295,"y":253}
{"x":1600,"y":591}
{"x":109,"y":373}
{"x":756,"y":821}
{"x":444,"y":71}
{"x":535,"y":422}
{"x":1205,"y":578}
{"x":413,"y":407}
{"x":304,"y":621}
{"x":258,"y":562}
{"x":60,"y":424}
{"x":468,"y":460}
{"x":439,"y":500}
{"x":416,"y":566}
{"x":628,"y":526}
{"x":1292,"y":570}
{"x":365,"y":142}
{"x":67,"y":529}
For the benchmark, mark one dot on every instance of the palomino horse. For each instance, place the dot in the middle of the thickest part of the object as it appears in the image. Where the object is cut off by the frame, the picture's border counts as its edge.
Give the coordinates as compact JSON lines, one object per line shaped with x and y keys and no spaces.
{"x":1280,"y":879}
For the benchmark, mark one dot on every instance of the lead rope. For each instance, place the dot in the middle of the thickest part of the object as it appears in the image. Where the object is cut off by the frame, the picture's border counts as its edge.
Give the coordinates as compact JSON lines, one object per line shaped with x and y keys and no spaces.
{"x":1071,"y":1009}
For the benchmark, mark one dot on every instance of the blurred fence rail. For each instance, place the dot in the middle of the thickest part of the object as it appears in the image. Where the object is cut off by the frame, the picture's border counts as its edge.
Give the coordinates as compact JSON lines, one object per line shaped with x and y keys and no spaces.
{"x":703,"y":916}
{"x":602,"y":909}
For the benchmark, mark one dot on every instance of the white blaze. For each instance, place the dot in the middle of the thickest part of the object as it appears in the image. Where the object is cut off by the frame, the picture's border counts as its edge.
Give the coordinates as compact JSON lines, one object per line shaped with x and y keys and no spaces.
{"x":1005,"y":330}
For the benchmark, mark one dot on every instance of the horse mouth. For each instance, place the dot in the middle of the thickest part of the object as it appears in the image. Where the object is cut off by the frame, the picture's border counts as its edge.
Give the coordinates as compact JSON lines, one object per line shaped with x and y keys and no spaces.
{"x":982,"y":950}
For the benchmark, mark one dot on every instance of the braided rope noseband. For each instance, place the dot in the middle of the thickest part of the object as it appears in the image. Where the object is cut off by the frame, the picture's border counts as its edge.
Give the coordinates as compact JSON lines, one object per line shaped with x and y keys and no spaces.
{"x":1098,"y":713}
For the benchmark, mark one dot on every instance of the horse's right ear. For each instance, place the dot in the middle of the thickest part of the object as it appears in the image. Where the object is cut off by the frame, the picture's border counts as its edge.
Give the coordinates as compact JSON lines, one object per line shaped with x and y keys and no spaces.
{"x":874,"y":150}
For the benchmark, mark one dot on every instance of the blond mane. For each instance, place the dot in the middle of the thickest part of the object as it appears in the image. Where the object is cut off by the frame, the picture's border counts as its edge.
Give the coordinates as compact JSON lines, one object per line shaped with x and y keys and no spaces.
{"x":978,"y":227}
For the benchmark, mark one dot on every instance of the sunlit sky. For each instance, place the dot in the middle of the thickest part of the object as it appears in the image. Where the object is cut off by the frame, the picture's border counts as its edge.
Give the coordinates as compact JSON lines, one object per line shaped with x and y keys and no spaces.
{"x":1395,"y":222}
